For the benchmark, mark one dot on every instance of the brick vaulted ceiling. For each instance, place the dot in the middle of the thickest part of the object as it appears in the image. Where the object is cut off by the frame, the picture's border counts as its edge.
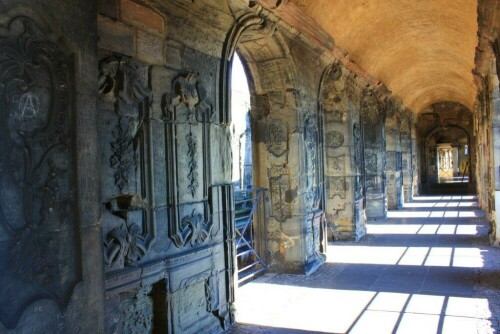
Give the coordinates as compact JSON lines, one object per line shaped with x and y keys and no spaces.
{"x":423,"y":50}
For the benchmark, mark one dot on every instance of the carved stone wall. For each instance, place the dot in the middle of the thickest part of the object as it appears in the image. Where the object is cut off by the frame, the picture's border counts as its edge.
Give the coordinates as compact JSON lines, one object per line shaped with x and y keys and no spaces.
{"x":165,"y":171}
{"x":49,"y":219}
{"x":343,"y":156}
{"x":373,"y":125}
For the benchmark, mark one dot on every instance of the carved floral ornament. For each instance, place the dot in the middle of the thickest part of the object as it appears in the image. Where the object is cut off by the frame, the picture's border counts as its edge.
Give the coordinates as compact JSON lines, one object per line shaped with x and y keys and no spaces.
{"x":192,"y":230}
{"x":37,"y":213}
{"x":123,"y":85}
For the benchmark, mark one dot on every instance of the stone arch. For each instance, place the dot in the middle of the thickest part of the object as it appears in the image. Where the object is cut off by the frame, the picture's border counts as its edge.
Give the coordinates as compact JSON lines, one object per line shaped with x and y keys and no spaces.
{"x":343,"y":155}
{"x":285,"y":142}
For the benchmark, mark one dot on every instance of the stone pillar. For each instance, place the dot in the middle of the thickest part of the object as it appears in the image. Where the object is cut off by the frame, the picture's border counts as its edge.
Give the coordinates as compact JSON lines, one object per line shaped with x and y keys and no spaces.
{"x":373,"y":120}
{"x":393,"y":156}
{"x":343,"y":152}
{"x":406,"y":155}
{"x":495,"y":96}
{"x":417,"y":157}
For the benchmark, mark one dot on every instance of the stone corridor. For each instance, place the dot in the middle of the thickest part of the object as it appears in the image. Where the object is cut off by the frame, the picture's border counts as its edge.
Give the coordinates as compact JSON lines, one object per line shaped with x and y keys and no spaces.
{"x":428,"y":268}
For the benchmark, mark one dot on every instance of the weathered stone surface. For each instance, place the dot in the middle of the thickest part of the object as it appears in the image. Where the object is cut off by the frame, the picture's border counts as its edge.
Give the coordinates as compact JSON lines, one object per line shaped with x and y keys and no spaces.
{"x":150,"y":48}
{"x":116,"y":36}
{"x":141,"y":16}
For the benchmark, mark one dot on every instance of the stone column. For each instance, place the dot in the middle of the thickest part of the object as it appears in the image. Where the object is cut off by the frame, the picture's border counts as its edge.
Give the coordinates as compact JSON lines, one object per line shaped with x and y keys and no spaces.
{"x":373,"y":120}
{"x":495,"y":96}
{"x":406,"y":153}
{"x":393,"y":156}
{"x":345,"y":214}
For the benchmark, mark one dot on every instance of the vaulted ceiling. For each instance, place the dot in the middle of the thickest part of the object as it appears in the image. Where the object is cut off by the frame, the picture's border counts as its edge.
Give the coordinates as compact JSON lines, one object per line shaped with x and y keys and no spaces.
{"x":422,"y":50}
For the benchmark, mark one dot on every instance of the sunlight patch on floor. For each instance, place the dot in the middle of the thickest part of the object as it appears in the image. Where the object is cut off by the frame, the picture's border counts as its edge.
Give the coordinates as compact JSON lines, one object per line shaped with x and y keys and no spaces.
{"x":460,"y":257}
{"x":300,"y":307}
{"x":414,"y":229}
{"x":359,"y":312}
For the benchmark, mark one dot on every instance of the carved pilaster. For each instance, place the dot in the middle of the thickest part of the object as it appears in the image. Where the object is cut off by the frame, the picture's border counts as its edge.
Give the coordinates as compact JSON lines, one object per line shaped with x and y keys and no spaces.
{"x":187,"y":115}
{"x":125,"y":98}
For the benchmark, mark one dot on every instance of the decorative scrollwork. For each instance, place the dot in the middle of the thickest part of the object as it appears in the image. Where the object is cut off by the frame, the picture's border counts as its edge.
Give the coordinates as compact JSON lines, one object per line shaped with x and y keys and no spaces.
{"x":37,"y":212}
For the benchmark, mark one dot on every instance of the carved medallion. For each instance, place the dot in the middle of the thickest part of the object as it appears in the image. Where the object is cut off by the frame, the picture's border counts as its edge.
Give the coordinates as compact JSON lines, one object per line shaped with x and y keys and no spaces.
{"x":334,"y":139}
{"x":39,"y":253}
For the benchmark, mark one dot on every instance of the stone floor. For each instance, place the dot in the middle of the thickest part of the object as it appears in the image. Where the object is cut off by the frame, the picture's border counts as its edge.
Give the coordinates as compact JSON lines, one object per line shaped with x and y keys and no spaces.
{"x":427,"y":269}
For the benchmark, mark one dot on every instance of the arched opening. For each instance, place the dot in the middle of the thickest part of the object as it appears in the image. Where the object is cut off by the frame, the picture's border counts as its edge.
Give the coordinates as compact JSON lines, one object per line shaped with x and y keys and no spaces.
{"x":241,"y":143}
{"x":249,"y":211}
{"x":447,"y":149}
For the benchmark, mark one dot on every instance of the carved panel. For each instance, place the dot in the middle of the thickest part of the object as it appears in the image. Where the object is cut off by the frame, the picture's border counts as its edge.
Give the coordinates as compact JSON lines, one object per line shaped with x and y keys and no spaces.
{"x":187,"y":103}
{"x":39,"y":248}
{"x":193,"y":230}
{"x":335,"y":164}
{"x":188,"y":113}
{"x":371,"y":162}
{"x":277,"y":142}
{"x":336,"y":187}
{"x":358,"y":148}
{"x":123,"y":89}
{"x":311,"y":141}
{"x":279,"y":182}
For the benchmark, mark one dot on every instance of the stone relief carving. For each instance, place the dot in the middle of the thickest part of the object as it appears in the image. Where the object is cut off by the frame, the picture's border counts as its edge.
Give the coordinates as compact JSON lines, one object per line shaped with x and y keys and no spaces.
{"x":123,"y":153}
{"x":336,"y":163}
{"x":125,"y":244}
{"x":277,"y":143}
{"x":336,"y":187}
{"x":137,"y":313}
{"x":192,"y":153}
{"x":371,"y":162}
{"x":338,"y":116}
{"x":123,"y":84}
{"x":311,"y":138}
{"x":38,"y":216}
{"x":335,"y":72}
{"x":187,"y":102}
{"x":334,"y":139}
{"x":358,"y":160}
{"x":193,"y":230}
{"x":279,"y":186}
